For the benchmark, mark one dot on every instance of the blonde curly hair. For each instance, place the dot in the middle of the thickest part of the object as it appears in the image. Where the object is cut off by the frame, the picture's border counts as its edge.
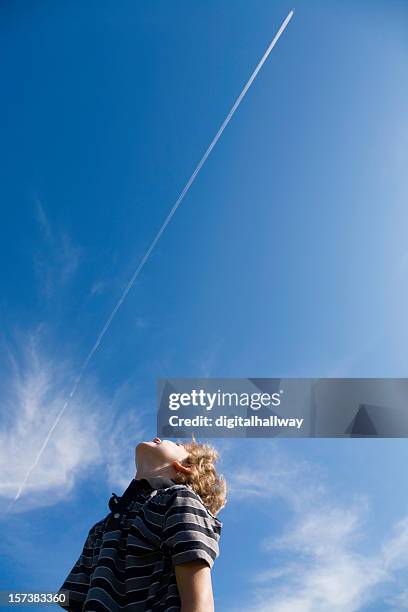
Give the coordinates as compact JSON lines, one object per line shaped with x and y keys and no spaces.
{"x":203,"y":479}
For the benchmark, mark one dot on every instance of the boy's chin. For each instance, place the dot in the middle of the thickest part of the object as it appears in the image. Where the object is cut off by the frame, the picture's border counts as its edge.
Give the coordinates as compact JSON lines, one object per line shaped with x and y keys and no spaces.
{"x":142,"y":446}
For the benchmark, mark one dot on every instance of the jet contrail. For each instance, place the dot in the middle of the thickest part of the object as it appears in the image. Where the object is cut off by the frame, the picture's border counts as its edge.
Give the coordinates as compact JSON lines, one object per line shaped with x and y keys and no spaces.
{"x":152,"y":246}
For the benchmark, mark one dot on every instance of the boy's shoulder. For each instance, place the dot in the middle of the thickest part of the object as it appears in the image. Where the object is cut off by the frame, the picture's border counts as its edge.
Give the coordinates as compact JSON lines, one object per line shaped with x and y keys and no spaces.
{"x":176,"y":490}
{"x":183,"y":495}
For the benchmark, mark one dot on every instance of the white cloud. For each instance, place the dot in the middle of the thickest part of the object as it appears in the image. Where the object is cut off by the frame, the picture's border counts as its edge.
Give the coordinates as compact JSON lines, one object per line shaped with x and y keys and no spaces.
{"x":121,"y":449}
{"x":125,"y":432}
{"x":330,"y":572}
{"x":273,"y":474}
{"x":42,"y":220}
{"x":207,"y":360}
{"x":321,"y":562}
{"x":58,"y":259}
{"x":398,"y":602}
{"x":34,"y":388}
{"x":395,"y":550}
{"x":68,"y":258}
{"x":99,"y":287}
{"x":322,"y":532}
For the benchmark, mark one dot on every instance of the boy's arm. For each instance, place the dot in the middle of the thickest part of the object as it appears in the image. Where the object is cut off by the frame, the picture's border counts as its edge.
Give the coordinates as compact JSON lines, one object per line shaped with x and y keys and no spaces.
{"x":194,"y":586}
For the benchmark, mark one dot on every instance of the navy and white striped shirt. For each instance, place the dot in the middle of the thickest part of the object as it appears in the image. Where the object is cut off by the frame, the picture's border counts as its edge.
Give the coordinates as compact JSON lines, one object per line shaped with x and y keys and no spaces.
{"x":128,"y":559}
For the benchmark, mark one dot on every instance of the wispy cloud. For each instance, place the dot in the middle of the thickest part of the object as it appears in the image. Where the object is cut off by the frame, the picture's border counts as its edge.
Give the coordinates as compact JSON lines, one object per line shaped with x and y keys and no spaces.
{"x":330,"y":572}
{"x":34,"y":387}
{"x":395,"y":550}
{"x":398,"y":602}
{"x":126,"y":429}
{"x":43,"y":221}
{"x":120,"y":449}
{"x":277,"y":476}
{"x":58,"y":258}
{"x":322,"y":560}
{"x":207,"y":362}
{"x":99,"y":287}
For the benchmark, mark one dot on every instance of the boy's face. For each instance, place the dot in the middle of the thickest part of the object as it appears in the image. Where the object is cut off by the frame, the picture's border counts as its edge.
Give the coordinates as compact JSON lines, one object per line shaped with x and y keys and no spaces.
{"x":161,"y":451}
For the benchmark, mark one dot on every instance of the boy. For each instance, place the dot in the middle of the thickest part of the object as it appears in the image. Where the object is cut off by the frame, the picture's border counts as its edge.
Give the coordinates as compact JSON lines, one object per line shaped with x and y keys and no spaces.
{"x":155,"y":550}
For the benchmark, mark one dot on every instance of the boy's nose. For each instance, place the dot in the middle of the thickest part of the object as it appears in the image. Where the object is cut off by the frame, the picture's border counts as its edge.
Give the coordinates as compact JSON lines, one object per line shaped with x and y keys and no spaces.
{"x":156,"y":440}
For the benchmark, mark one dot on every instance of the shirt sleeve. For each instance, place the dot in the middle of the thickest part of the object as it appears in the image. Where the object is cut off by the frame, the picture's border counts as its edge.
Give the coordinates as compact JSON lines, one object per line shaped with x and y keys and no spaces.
{"x":190,"y":532}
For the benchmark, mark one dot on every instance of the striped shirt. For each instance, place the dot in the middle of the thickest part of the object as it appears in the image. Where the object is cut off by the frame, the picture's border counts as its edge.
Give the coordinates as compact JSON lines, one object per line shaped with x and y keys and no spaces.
{"x":128,"y":559}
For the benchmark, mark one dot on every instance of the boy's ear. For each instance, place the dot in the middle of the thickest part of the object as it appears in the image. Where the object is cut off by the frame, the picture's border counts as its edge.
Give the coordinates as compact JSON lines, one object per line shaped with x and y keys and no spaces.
{"x":179,"y":467}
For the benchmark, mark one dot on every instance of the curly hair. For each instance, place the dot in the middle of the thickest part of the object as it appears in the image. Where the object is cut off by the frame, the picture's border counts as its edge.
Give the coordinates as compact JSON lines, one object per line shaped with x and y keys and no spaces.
{"x":203,"y":479}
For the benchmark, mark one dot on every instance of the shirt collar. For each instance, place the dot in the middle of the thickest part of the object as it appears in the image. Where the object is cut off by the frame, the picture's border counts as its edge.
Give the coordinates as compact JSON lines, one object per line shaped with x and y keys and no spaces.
{"x":158,"y":482}
{"x":152,"y":483}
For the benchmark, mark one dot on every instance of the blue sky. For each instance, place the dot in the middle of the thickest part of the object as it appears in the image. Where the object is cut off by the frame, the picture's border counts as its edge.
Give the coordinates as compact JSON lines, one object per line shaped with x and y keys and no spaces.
{"x":287,"y":258}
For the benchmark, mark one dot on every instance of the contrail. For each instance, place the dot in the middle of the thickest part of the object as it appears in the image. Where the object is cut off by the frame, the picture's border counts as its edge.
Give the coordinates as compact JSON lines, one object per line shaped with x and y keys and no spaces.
{"x":152,"y":246}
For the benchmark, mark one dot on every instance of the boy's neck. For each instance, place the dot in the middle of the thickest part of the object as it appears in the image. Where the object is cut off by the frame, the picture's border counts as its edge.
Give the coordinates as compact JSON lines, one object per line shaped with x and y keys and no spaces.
{"x":166,"y":471}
